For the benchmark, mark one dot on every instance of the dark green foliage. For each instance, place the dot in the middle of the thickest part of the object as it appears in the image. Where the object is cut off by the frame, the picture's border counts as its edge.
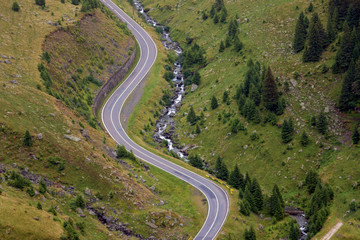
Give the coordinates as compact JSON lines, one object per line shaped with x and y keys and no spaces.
{"x":322,"y":123}
{"x":304,"y":139}
{"x":311,"y":7}
{"x":237,"y":126}
{"x":287,"y":131}
{"x":168,"y":76}
{"x":355,"y":136}
{"x":255,"y":190}
{"x":204,"y":16}
{"x":300,"y":34}
{"x":344,"y":54}
{"x":316,"y":40}
{"x":71,"y":233}
{"x":18,"y":181}
{"x":223,"y":15}
{"x":270,"y":93}
{"x":311,"y":181}
{"x":270,"y":118}
{"x":216,"y":19}
{"x":236,"y":179}
{"x":250,"y":234}
{"x":88,"y":5}
{"x":196,"y":161}
{"x":245,"y":208}
{"x":238,"y":45}
{"x":222,"y":171}
{"x":42,"y":187}
{"x":15,"y":7}
{"x":45,"y":76}
{"x":196,"y":78}
{"x":330,"y":30}
{"x":193,"y":56}
{"x":352,"y":17}
{"x":121,"y":152}
{"x":214,"y":103}
{"x":222,"y":46}
{"x":318,"y":209}
{"x":276,"y":204}
{"x":75,"y":2}
{"x":40,"y":3}
{"x":352,"y":206}
{"x":248,"y":196}
{"x":30,"y":191}
{"x":294,"y":231}
{"x":52,"y":210}
{"x":45,"y":56}
{"x":28,"y":142}
{"x":39,"y":206}
{"x":191,"y":117}
{"x":80,"y":202}
{"x":197,"y":131}
{"x":225,"y":96}
{"x":348,"y":99}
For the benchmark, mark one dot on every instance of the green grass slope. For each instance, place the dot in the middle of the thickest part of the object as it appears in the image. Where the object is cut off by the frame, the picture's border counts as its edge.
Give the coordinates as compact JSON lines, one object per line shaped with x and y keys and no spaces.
{"x":122,"y":190}
{"x":266,"y":29}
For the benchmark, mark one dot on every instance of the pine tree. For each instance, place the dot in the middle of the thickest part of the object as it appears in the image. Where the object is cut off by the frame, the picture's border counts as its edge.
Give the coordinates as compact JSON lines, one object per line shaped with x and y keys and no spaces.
{"x":355,"y":136}
{"x":270,"y":93}
{"x":311,"y":181}
{"x":238,"y":45}
{"x":346,"y":101}
{"x":311,"y":7}
{"x":276,"y":208}
{"x":276,"y":192}
{"x":250,"y":234}
{"x":42,"y":187}
{"x":191,"y":117}
{"x":197,"y":131}
{"x":221,"y":170}
{"x":300,"y":34}
{"x":330,"y":30}
{"x":315,"y":40}
{"x":294,"y":231}
{"x":255,"y":189}
{"x":344,"y":54}
{"x":28,"y":139}
{"x":352,"y":17}
{"x":15,"y":7}
{"x":250,"y":199}
{"x":286,"y":132}
{"x":304,"y":139}
{"x":214,"y":103}
{"x":247,"y":181}
{"x":80,"y":202}
{"x":195,"y":161}
{"x":222,"y":46}
{"x":245,"y":208}
{"x":322,"y":123}
{"x":235,"y":178}
{"x":196,"y":78}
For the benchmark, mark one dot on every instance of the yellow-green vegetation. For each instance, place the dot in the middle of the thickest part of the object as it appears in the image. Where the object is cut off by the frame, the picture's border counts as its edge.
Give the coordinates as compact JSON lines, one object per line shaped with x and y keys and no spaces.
{"x":266,"y":30}
{"x":82,"y":162}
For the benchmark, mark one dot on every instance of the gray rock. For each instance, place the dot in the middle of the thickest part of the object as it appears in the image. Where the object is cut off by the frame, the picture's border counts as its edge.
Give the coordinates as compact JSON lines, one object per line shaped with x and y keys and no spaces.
{"x":161,"y":202}
{"x":52,"y":114}
{"x":246,"y":146}
{"x":194,"y":87}
{"x":7,"y":61}
{"x":87,"y":191}
{"x":326,"y":110}
{"x":14,"y":81}
{"x":72,"y":138}
{"x":36,"y":218}
{"x":79,"y":211}
{"x":40,"y":136}
{"x":293,"y":82}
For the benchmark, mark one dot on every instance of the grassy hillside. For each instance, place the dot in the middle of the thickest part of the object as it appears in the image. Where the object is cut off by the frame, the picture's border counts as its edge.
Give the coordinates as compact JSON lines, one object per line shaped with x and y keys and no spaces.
{"x":131,"y":196}
{"x":266,"y":30}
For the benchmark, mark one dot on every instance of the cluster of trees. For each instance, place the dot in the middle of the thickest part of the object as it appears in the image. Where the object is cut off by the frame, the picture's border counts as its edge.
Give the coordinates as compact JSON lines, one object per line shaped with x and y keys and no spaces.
{"x":121,"y":152}
{"x":232,"y":38}
{"x":88,"y":5}
{"x":192,"y":118}
{"x":320,"y":122}
{"x":218,"y":12}
{"x":350,"y":91}
{"x":196,"y":161}
{"x":16,"y":180}
{"x":287,"y":131}
{"x":194,"y":56}
{"x":318,"y":209}
{"x":259,"y":87}
{"x":45,"y":76}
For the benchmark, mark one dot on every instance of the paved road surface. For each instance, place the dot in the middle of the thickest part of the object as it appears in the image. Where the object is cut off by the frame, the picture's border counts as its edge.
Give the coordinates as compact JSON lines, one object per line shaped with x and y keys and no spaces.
{"x":217,"y":198}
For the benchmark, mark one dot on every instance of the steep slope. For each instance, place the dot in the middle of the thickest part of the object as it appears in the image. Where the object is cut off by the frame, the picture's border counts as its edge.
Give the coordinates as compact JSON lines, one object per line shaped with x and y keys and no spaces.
{"x":66,"y":176}
{"x":266,"y":29}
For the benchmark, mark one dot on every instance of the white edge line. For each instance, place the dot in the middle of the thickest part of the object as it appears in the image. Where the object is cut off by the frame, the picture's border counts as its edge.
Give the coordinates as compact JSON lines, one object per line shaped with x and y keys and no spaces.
{"x":227,"y":197}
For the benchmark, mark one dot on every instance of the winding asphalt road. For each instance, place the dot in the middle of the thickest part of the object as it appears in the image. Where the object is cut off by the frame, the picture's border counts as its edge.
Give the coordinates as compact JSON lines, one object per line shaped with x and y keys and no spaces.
{"x":217,"y":198}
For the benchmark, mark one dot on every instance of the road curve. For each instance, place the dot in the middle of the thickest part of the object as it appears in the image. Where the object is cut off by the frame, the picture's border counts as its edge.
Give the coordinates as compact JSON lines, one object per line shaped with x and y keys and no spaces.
{"x":217,"y":198}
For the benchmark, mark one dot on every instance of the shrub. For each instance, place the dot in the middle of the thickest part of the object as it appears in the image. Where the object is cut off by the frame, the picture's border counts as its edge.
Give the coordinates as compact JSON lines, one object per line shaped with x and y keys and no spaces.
{"x":40,"y":3}
{"x":79,"y":201}
{"x":15,"y":7}
{"x":28,"y":139}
